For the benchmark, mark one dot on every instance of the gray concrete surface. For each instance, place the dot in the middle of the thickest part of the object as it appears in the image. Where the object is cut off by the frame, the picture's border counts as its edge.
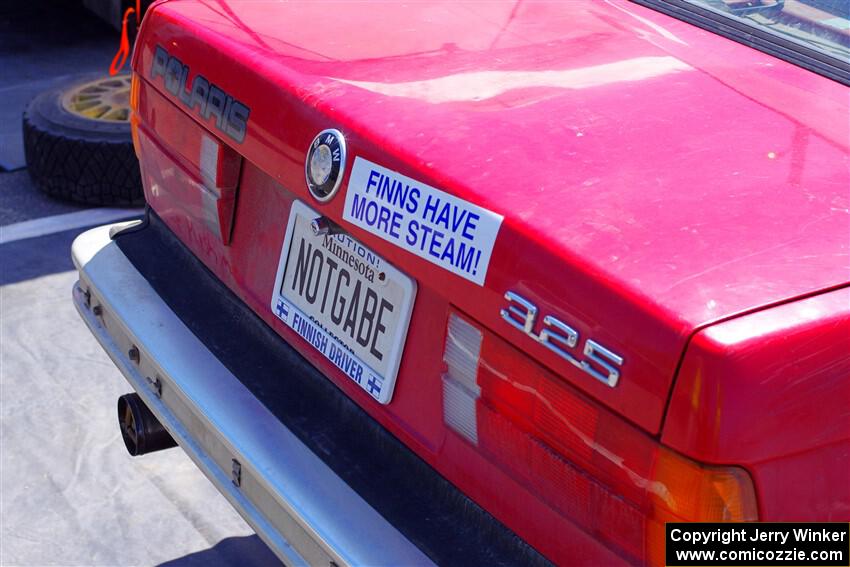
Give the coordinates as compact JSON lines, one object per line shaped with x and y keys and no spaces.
{"x":69,"y":492}
{"x":71,"y":495}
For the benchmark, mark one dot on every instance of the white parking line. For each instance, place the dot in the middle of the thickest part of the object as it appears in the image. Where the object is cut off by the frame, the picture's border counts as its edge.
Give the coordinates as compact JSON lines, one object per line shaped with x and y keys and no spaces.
{"x":59,"y":223}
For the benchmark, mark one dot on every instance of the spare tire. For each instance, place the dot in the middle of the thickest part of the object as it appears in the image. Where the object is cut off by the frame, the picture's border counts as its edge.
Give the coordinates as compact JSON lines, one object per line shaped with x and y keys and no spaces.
{"x":78,"y":144}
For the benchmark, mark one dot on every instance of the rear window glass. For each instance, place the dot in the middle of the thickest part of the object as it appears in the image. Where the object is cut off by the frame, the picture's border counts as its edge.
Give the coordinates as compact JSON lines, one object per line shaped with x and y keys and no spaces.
{"x":821,"y":25}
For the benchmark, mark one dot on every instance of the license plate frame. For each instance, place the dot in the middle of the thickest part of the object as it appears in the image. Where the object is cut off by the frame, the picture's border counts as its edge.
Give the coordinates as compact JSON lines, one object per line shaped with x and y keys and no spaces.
{"x":316,"y":323}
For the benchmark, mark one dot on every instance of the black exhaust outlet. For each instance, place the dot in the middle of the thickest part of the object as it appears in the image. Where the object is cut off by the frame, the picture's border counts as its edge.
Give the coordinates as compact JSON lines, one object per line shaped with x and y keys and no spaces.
{"x":141,"y":430}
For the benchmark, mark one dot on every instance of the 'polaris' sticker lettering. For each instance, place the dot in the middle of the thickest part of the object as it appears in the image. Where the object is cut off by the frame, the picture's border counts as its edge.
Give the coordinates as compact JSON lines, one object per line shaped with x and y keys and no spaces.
{"x":446,"y":231}
{"x":203,"y":97}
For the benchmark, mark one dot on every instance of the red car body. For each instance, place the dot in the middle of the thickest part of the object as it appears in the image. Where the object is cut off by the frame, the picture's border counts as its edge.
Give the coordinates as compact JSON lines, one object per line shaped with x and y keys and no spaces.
{"x":676,"y":196}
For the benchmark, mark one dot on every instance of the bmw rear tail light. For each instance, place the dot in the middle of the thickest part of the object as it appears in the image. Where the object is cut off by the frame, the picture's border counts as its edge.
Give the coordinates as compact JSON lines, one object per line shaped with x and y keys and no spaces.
{"x":594,"y":468}
{"x":134,"y":112}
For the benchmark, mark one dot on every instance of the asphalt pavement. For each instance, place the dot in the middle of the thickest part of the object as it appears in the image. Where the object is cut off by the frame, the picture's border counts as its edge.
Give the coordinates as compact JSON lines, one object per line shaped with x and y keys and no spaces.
{"x":69,"y":492}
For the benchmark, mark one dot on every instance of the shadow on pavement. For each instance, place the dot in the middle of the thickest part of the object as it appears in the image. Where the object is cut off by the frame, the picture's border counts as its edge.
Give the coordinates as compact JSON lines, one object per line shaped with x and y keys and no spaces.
{"x":246,"y":550}
{"x":41,"y":42}
{"x":20,"y":200}
{"x":35,"y":257}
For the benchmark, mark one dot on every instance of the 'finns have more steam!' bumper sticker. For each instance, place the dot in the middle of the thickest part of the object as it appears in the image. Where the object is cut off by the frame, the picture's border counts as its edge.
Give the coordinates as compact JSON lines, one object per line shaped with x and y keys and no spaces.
{"x":449,"y":232}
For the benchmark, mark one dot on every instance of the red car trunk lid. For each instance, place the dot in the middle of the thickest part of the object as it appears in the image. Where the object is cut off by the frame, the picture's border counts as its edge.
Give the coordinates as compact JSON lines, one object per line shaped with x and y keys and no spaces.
{"x":648,"y":185}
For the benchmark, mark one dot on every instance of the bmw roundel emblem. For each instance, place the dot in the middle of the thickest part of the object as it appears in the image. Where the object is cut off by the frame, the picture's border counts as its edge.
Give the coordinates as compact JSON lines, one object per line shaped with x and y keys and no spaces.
{"x":325,"y":164}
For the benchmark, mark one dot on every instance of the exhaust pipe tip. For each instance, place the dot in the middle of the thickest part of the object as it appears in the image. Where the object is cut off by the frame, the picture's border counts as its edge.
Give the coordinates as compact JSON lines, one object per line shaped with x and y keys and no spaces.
{"x":141,"y":430}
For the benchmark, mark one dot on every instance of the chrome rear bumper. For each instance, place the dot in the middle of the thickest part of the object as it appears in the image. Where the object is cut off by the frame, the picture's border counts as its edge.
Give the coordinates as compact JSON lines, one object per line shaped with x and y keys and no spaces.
{"x":294,"y":501}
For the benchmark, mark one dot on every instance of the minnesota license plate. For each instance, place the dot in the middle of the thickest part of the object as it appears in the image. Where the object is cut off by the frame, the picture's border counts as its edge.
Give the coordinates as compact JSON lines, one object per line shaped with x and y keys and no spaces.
{"x":347,"y":302}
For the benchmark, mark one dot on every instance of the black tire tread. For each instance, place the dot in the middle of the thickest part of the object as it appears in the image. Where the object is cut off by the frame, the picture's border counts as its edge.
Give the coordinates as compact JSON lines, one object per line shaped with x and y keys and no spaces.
{"x":89,"y":170}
